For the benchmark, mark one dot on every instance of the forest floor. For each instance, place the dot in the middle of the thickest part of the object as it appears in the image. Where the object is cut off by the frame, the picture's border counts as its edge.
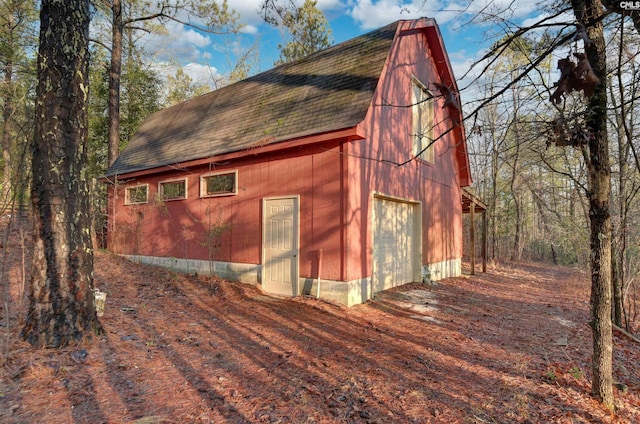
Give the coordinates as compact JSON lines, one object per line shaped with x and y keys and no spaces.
{"x":511,"y":345}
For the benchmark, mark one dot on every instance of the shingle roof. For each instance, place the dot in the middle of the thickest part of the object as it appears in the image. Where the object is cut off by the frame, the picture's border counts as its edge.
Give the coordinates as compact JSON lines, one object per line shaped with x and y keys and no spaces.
{"x":328,"y":90}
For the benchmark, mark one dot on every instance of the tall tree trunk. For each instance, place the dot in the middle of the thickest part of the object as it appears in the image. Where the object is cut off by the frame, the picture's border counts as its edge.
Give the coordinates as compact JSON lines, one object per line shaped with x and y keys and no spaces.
{"x":617,"y":273}
{"x":625,"y":148}
{"x":619,"y":234}
{"x":518,"y":243}
{"x":115,"y":75}
{"x":61,"y":308}
{"x":493,"y":204}
{"x":7,"y":108}
{"x":7,"y":118}
{"x":588,"y":13}
{"x":514,"y":185}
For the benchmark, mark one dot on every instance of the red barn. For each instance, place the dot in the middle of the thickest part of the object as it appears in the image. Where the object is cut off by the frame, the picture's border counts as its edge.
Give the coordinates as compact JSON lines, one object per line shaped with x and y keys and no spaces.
{"x":339,"y":174}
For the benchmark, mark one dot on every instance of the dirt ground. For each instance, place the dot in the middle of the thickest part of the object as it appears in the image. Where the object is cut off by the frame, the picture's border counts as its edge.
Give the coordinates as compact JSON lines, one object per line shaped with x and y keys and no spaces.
{"x":509,"y":346}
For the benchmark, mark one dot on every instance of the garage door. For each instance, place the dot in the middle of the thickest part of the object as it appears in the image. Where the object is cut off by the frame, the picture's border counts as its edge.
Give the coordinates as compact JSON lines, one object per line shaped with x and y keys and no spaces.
{"x":395,"y":243}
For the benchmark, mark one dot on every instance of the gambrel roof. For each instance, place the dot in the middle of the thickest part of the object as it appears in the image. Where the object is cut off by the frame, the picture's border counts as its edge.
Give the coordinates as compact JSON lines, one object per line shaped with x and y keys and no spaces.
{"x":323,"y":96}
{"x":324,"y":92}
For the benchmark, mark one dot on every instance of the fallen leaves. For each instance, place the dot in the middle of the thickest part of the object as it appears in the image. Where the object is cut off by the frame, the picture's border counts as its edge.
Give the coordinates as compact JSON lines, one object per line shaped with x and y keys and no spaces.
{"x":472,"y":349}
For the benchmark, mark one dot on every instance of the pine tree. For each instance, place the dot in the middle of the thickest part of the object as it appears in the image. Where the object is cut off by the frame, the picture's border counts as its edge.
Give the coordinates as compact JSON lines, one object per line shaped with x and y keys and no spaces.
{"x":61,"y":306}
{"x":307,"y":28}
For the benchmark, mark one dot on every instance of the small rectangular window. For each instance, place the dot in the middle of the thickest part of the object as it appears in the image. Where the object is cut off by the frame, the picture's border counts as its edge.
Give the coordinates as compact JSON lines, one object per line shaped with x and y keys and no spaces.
{"x":423,"y":122}
{"x":173,"y":190}
{"x":219,"y":184}
{"x":136,"y":195}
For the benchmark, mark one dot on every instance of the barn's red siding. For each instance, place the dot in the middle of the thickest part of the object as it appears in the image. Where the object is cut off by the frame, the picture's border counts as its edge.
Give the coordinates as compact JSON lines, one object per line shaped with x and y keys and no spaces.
{"x":179,"y":228}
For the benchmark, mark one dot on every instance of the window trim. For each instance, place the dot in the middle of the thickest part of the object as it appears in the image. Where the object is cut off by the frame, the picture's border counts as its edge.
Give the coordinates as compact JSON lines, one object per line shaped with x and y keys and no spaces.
{"x":174,"y":180}
{"x":127,"y":200}
{"x":417,"y":137}
{"x":203,"y":184}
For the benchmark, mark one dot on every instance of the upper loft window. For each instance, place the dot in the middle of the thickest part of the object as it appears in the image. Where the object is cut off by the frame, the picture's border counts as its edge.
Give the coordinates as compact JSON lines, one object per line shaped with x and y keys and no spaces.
{"x":136,"y":195}
{"x":173,"y":190}
{"x":423,"y":121}
{"x":219,"y":184}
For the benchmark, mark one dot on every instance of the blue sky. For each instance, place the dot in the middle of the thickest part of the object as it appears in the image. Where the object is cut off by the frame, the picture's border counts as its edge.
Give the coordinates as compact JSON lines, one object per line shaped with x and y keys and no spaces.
{"x":466,"y":34}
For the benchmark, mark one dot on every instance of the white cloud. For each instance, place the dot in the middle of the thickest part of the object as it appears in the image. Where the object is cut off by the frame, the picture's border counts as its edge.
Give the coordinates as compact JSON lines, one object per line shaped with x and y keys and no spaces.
{"x":371,"y":14}
{"x":330,"y":5}
{"x":503,"y":9}
{"x":245,"y":7}
{"x":202,"y":74}
{"x":461,"y":61}
{"x":249,"y":29}
{"x":249,"y":11}
{"x":179,"y":41}
{"x":187,"y":36}
{"x":566,"y":17}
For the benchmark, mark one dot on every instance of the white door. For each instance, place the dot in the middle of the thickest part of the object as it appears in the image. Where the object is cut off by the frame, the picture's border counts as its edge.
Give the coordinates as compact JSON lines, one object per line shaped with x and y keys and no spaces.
{"x":280,"y":246}
{"x":395,"y":243}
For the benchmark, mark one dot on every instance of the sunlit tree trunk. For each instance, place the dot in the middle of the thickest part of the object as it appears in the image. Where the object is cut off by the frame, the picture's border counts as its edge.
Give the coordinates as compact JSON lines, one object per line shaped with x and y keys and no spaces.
{"x":61,"y":309}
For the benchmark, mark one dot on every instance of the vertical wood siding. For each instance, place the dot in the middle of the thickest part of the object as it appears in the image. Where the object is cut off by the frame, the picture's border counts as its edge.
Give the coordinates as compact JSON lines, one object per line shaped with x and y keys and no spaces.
{"x":179,"y":228}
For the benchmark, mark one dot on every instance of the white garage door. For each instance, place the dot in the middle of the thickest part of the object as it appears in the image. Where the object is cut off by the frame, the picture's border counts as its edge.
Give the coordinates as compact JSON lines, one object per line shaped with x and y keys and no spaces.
{"x":395,"y":243}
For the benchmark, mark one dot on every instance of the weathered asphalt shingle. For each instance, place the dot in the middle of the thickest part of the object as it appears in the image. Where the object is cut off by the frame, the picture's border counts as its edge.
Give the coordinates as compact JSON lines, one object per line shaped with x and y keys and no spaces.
{"x":328,"y":90}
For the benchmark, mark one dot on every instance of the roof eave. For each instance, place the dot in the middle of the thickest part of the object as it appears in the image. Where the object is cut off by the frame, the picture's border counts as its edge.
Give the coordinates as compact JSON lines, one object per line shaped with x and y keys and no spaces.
{"x":269,"y":146}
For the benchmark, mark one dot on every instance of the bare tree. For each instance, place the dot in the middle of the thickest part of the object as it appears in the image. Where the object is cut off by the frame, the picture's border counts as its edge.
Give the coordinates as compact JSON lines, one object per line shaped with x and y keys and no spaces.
{"x":589,"y":15}
{"x":590,"y":138}
{"x":623,"y":91}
